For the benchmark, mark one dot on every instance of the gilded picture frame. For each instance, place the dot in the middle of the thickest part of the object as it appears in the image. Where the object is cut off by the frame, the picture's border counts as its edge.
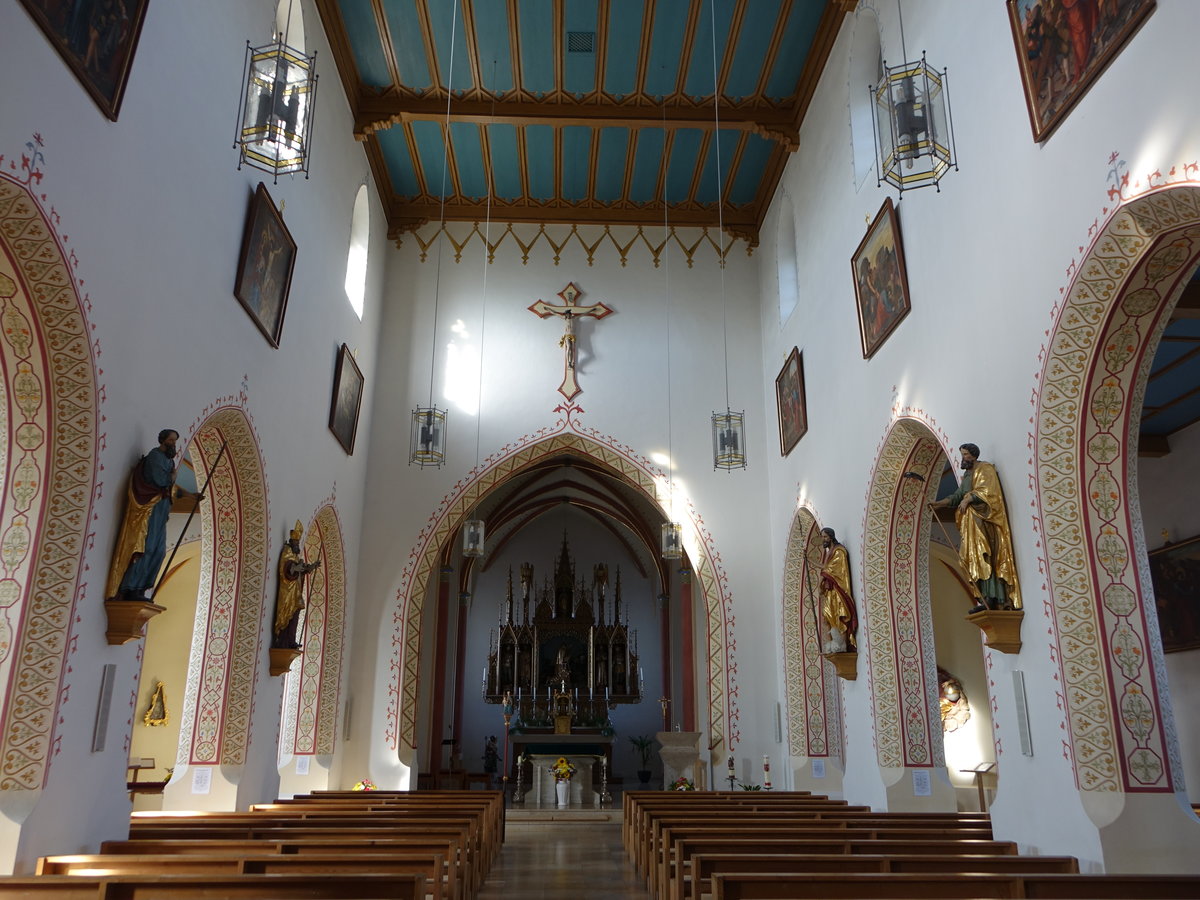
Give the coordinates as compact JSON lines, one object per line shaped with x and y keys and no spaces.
{"x":1175,"y":573}
{"x":96,"y":40}
{"x":790,"y":402}
{"x":264,"y":274}
{"x":344,"y":408}
{"x":1062,"y":49}
{"x":880,"y":280}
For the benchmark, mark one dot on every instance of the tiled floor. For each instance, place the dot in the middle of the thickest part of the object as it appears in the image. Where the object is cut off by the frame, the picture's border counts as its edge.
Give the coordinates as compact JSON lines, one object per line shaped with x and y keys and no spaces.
{"x":566,"y":860}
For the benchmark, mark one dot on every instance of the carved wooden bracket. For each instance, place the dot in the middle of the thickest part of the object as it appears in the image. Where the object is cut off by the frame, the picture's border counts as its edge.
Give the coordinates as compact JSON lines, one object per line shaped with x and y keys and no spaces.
{"x":127,"y":619}
{"x":845,"y":664}
{"x":1001,"y":628}
{"x":282,"y":659}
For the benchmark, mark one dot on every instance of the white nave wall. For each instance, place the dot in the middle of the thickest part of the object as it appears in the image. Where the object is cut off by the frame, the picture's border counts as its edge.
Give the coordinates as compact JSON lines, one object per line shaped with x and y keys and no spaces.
{"x":987,"y":260}
{"x":155,"y":217}
{"x":623,"y":370}
{"x":153,"y":209}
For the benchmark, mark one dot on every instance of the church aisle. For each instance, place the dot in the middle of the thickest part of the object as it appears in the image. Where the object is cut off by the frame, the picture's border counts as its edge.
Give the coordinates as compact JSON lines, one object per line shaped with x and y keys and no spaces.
{"x":562,"y":861}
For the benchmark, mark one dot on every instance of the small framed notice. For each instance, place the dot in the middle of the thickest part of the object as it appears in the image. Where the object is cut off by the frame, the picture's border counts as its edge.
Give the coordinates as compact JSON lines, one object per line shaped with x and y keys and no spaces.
{"x":818,"y":768}
{"x":302,"y":764}
{"x":922,"y":786}
{"x":201,"y":779}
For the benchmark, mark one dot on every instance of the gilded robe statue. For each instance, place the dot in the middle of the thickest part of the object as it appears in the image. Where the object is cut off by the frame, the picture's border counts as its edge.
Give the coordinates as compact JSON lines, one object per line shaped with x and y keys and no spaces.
{"x":985,"y":539}
{"x":837,"y":603}
{"x":289,"y":600}
{"x":142,"y":540}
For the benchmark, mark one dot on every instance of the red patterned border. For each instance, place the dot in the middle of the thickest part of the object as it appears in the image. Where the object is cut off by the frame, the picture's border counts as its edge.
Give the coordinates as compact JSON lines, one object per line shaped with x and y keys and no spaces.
{"x":1093,"y":376}
{"x":638,"y":472}
{"x":63,"y":453}
{"x":218,"y":701}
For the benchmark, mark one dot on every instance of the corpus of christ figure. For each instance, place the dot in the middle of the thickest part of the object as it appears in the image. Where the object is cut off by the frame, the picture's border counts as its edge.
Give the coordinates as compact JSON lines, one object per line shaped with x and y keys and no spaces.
{"x":569,"y":310}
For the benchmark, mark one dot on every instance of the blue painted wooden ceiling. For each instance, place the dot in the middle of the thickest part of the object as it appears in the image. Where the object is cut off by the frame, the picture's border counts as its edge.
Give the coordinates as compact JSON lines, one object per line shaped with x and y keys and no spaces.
{"x":580,"y":111}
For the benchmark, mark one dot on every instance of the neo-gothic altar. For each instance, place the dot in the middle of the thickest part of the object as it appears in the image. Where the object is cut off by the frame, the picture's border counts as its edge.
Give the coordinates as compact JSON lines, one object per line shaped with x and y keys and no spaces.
{"x":563,"y":650}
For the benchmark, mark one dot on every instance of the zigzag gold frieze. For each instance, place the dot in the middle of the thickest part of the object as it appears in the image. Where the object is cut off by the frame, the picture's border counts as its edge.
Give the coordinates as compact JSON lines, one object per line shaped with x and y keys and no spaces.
{"x":54,"y":377}
{"x":601,"y":236}
{"x":1092,"y":383}
{"x":401,"y":703}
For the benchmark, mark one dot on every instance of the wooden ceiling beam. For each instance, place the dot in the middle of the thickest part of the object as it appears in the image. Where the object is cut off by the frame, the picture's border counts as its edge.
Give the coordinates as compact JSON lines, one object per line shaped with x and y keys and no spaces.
{"x":772,"y":54}
{"x":472,"y":41}
{"x":514,"y":45}
{"x":731,"y":42}
{"x":339,"y":44}
{"x":689,"y":42}
{"x":407,"y":217}
{"x":385,"y":41}
{"x":832,"y":18}
{"x":380,"y":113}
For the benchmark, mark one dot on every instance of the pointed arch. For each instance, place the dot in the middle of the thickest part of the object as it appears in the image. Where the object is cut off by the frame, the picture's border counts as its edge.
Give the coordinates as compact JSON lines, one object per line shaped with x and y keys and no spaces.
{"x":813,"y":698}
{"x":424,"y":563}
{"x":896,"y":610}
{"x":50,"y":412}
{"x":227,"y":640}
{"x":1093,"y":380}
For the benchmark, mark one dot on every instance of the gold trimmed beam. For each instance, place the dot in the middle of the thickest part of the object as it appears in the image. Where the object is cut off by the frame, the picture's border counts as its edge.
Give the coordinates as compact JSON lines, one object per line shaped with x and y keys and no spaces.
{"x":378,"y":113}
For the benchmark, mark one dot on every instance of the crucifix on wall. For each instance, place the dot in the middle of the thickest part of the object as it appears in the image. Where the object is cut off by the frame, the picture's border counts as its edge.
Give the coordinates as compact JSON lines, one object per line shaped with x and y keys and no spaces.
{"x":570,"y":310}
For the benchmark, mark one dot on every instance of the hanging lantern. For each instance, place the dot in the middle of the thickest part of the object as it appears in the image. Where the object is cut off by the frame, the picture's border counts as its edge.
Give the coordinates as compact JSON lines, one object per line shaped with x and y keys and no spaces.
{"x":473,"y":537}
{"x":729,"y":443}
{"x":427,"y":438}
{"x":672,"y":540}
{"x":914,"y":134}
{"x":275,"y":114}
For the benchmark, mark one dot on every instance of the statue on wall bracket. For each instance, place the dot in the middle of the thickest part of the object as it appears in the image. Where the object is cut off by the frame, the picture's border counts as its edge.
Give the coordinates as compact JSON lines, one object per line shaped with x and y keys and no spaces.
{"x":985,"y":551}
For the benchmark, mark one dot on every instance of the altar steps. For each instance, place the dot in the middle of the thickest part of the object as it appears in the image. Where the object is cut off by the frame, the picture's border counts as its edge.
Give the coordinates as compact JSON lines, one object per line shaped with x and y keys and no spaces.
{"x":569,"y":816}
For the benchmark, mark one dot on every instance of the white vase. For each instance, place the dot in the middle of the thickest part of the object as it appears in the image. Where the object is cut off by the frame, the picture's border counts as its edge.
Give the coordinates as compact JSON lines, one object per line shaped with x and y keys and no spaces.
{"x":562,"y":792}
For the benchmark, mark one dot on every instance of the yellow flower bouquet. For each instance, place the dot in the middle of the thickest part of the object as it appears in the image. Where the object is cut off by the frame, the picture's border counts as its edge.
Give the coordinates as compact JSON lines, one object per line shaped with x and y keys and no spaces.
{"x":563,"y":769}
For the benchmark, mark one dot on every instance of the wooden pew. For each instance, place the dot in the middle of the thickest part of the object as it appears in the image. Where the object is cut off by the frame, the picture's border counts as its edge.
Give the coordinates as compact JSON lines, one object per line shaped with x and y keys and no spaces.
{"x":210,"y":886}
{"x":491,"y":801}
{"x":960,"y":886}
{"x":256,"y":826}
{"x":457,"y":883}
{"x":705,"y":865}
{"x":666,"y":832}
{"x":638,"y":812}
{"x":688,"y":848}
{"x":491,"y":824}
{"x":430,"y":866}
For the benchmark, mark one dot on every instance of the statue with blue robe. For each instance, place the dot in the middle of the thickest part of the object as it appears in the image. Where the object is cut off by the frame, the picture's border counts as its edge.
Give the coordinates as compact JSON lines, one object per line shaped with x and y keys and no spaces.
{"x":142,"y":542}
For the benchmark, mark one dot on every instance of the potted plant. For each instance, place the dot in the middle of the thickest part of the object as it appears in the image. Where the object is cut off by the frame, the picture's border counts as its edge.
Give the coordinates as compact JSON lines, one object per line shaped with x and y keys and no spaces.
{"x":645,"y":746}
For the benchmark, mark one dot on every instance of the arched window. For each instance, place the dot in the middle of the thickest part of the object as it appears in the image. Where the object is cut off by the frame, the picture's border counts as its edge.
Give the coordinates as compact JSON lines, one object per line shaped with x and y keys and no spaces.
{"x":785,"y":259}
{"x":356,"y":259}
{"x":866,"y":66}
{"x":289,"y":23}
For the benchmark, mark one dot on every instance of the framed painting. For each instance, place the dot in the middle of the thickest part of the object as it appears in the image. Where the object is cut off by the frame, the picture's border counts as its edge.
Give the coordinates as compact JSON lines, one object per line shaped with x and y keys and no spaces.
{"x":347,"y":399}
{"x":264,"y":274}
{"x":1063,"y":46}
{"x":789,"y":398}
{"x":97,"y":40}
{"x":880,"y":280}
{"x":1175,"y":573}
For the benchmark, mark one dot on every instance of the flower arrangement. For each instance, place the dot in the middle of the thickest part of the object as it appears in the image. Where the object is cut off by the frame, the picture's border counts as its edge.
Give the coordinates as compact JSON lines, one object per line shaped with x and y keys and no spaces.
{"x":365,"y":785}
{"x":563,"y":769}
{"x":682,"y":784}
